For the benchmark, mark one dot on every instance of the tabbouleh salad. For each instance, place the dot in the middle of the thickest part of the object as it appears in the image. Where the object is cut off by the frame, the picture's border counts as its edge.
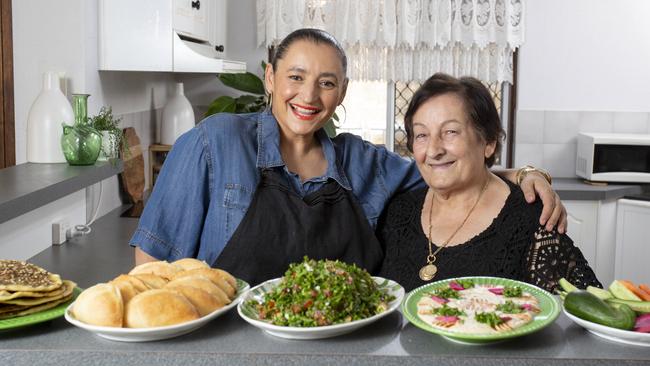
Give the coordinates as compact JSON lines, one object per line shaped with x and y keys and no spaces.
{"x":317,"y":293}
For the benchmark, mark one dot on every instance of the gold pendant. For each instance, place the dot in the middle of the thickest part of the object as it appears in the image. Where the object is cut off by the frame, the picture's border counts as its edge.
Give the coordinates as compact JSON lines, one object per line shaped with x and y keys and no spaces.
{"x":428,"y":272}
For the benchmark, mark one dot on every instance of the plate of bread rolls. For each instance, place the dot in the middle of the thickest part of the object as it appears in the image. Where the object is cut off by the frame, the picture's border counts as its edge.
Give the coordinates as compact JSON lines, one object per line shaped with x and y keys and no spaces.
{"x":156,"y":300}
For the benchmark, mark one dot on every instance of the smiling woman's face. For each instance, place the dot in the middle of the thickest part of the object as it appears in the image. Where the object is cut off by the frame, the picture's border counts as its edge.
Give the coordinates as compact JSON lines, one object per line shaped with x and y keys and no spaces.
{"x":448,"y":151}
{"x":307,"y":86}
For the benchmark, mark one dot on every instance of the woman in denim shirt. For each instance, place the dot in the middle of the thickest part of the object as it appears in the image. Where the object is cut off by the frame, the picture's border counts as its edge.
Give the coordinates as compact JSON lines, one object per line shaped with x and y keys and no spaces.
{"x":252,"y":193}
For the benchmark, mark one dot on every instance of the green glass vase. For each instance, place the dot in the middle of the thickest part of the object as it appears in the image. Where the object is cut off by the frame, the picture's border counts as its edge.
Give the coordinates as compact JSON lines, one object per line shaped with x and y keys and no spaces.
{"x":80,"y":142}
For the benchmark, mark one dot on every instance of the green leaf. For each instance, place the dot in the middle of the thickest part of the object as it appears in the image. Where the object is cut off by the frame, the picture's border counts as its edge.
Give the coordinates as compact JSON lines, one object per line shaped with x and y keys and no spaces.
{"x":246,"y":99}
{"x":222,"y":104}
{"x":247,"y":82}
{"x":330,"y":129}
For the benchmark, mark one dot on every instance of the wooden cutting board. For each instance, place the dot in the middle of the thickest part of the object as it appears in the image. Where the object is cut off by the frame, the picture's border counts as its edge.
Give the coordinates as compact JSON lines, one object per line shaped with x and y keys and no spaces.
{"x":133,"y":174}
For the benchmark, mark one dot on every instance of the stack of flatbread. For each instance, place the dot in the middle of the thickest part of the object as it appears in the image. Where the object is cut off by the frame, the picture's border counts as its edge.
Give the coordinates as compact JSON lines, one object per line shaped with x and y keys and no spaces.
{"x":26,"y":288}
{"x":157,"y":294}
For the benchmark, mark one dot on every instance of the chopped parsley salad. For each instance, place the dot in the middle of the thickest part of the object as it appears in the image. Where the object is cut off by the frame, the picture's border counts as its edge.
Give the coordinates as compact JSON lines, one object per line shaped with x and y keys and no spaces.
{"x":324,"y":292}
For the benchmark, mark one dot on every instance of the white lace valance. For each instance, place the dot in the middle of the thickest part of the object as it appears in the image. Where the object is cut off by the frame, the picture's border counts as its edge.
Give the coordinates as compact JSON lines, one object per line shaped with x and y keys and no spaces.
{"x":407,"y":39}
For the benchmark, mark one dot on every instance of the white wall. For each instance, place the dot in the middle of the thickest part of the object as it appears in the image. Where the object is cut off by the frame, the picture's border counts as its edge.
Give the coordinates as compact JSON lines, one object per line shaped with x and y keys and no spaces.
{"x":61,"y":36}
{"x":585,"y":55}
{"x":584,"y":67}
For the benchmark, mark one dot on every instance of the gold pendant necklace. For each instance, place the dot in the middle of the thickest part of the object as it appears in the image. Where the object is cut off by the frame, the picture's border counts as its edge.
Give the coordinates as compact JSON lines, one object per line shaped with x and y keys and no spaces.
{"x":429,"y":270}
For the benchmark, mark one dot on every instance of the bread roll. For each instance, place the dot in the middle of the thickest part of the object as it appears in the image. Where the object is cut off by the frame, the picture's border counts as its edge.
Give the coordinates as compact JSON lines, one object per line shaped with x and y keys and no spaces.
{"x":227,"y":276}
{"x":157,"y":308}
{"x":160,"y":268}
{"x":151,"y":280}
{"x":202,"y":283}
{"x":215,"y":276}
{"x":204,"y":302}
{"x":127,"y":290}
{"x":100,"y":305}
{"x":190,"y":263}
{"x":136,"y":282}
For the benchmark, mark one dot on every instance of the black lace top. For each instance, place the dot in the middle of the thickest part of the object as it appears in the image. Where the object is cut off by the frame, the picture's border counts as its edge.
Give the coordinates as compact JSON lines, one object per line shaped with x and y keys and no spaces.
{"x":513,"y":246}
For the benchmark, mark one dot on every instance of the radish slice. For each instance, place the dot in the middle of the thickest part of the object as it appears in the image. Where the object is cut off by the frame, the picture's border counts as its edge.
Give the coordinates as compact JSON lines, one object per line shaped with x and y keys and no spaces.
{"x":447,"y":319}
{"x":642,"y":321}
{"x":642,"y":329}
{"x":455,"y":286}
{"x":496,"y":291}
{"x":439,"y":300}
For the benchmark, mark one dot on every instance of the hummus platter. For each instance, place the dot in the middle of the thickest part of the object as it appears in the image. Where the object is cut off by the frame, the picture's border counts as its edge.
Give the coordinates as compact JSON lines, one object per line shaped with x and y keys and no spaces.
{"x":480,"y":309}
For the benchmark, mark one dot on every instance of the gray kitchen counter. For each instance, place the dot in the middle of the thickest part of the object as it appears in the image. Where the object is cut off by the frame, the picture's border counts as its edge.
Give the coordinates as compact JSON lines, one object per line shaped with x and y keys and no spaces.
{"x":577,"y":189}
{"x":105,"y":253}
{"x":28,"y":186}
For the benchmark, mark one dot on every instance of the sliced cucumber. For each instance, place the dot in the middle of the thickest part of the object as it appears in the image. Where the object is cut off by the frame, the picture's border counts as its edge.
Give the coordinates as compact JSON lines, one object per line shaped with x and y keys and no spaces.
{"x":621,"y":292}
{"x":566,"y":285}
{"x":638,"y":306}
{"x":600,"y":293}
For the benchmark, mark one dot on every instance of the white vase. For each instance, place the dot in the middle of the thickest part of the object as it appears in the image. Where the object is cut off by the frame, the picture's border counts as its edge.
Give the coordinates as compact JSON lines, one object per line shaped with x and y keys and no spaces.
{"x":44,"y":122}
{"x":177,"y":117}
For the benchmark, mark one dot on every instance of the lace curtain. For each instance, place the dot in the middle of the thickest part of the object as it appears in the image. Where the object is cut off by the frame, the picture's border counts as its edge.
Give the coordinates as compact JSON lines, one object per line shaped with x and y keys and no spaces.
{"x":407,"y":39}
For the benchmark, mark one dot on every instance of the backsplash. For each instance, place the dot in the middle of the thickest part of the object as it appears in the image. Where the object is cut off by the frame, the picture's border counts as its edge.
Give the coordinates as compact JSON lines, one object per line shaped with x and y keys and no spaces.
{"x":548,"y":138}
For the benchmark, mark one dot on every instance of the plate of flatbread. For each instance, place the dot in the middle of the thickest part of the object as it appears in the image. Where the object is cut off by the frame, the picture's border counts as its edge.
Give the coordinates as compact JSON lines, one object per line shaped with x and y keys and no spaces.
{"x":30,"y":294}
{"x":480,"y":310}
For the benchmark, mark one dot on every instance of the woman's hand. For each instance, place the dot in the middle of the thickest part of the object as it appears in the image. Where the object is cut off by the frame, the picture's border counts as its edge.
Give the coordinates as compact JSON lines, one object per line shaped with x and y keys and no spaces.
{"x":553,"y":212}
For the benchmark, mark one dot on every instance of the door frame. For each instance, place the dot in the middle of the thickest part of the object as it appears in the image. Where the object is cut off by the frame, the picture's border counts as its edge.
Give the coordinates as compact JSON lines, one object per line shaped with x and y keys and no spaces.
{"x":7,"y":126}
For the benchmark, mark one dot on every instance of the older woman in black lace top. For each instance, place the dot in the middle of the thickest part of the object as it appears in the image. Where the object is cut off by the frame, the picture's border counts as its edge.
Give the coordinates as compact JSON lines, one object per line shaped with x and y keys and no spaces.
{"x":468,"y":221}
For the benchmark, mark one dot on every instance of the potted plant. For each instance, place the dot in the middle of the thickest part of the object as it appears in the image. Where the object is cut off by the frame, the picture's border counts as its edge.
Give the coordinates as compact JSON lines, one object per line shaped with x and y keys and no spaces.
{"x":248,"y":103}
{"x":112,"y":136}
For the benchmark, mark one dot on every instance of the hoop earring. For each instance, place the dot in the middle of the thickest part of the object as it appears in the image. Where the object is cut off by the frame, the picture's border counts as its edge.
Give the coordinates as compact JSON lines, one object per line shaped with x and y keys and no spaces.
{"x":269,"y":100}
{"x":345,"y":117}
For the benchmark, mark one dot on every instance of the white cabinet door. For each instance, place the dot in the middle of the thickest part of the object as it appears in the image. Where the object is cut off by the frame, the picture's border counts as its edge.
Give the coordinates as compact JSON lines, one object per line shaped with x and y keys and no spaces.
{"x":633,"y":241}
{"x":135,"y":35}
{"x":592,"y":229}
{"x":191,"y":18}
{"x":582,"y":217}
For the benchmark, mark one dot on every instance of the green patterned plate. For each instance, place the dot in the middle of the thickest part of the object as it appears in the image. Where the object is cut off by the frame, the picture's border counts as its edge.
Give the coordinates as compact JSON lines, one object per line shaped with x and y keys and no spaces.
{"x":550,"y":309}
{"x":248,"y":313}
{"x":41,"y":316}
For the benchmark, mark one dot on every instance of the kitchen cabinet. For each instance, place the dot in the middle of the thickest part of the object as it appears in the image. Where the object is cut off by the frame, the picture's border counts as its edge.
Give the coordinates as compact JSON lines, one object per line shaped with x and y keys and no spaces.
{"x":190,"y":18}
{"x":592,"y":228}
{"x":164,"y":35}
{"x":633,"y":241}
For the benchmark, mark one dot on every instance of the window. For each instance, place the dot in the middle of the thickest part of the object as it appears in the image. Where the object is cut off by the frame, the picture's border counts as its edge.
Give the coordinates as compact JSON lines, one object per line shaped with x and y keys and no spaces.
{"x":367,"y":113}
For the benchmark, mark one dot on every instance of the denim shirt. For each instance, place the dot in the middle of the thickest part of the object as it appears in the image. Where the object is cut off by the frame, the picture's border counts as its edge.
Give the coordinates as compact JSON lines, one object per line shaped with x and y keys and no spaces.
{"x":210,"y":176}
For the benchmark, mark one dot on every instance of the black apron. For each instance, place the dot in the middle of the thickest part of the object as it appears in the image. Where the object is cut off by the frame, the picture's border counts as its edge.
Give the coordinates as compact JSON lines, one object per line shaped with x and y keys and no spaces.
{"x":280,"y":227}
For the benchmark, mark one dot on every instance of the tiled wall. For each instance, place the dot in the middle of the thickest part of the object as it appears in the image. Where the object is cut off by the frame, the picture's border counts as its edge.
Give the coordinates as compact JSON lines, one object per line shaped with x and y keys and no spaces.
{"x":548,"y":138}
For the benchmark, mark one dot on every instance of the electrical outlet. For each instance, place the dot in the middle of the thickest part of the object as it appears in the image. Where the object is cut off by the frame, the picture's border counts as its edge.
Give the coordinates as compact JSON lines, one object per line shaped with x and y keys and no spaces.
{"x":59,"y":231}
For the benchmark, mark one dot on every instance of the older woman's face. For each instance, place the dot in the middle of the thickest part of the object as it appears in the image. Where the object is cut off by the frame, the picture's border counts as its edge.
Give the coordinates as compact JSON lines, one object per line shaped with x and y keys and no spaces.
{"x":448,"y":151}
{"x":307,"y":86}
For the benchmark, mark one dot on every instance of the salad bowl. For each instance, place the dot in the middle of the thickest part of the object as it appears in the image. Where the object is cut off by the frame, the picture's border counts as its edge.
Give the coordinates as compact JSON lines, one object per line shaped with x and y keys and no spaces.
{"x":248,"y":312}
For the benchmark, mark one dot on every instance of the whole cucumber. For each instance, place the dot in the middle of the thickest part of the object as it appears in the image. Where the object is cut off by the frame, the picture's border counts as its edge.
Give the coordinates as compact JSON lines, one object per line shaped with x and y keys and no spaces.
{"x":587,"y":306}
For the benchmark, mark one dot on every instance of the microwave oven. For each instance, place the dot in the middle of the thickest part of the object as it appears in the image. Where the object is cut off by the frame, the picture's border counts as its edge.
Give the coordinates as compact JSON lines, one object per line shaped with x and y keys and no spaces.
{"x":613,"y":157}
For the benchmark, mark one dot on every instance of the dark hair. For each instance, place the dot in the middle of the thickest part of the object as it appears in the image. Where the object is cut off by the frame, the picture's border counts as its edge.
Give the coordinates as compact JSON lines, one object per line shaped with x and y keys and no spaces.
{"x":478,"y":103}
{"x":314,"y":35}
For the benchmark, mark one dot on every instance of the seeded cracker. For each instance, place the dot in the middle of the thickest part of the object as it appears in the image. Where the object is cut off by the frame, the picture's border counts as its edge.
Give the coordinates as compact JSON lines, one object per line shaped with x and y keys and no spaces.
{"x":23,"y":276}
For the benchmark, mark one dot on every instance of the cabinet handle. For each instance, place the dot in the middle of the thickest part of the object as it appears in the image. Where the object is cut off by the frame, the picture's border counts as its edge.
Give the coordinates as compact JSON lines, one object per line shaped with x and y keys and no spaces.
{"x":219,"y":48}
{"x":196,"y":4}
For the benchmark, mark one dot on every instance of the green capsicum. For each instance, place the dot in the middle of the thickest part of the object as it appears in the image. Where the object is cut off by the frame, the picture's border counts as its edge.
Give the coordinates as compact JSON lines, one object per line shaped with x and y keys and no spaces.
{"x":587,"y":306}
